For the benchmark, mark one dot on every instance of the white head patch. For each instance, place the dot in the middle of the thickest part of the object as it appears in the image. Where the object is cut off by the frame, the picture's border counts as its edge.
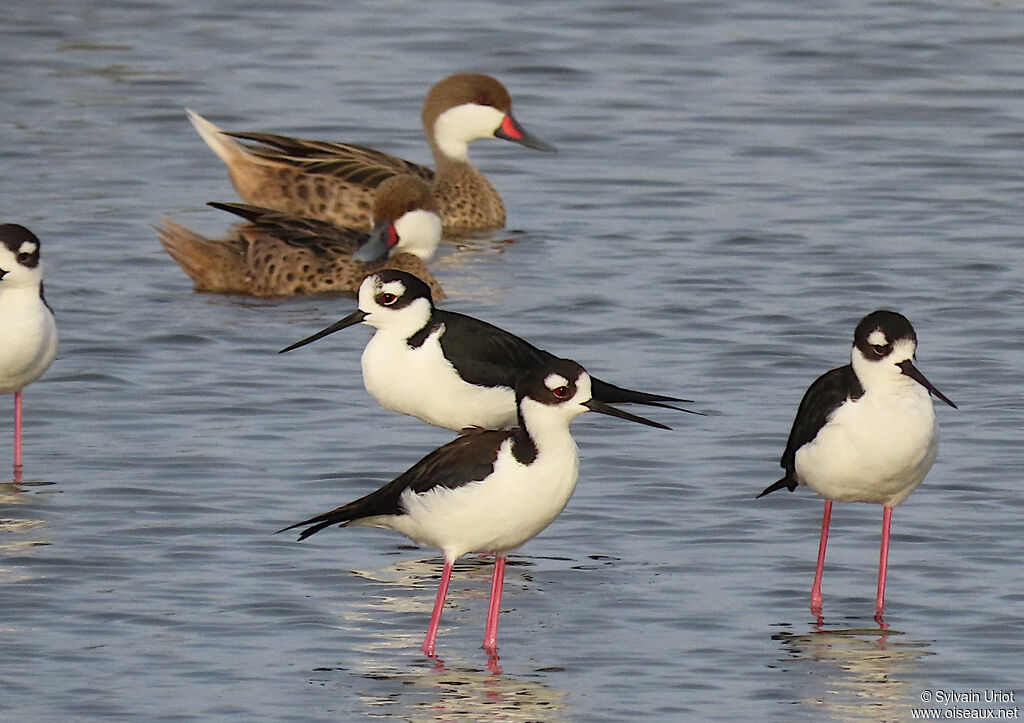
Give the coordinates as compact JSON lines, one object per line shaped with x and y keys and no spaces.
{"x":28,"y":247}
{"x":554,"y":381}
{"x":419,"y":233}
{"x":372,"y":286}
{"x":878,"y":338}
{"x":456,"y":127}
{"x":393,"y":287}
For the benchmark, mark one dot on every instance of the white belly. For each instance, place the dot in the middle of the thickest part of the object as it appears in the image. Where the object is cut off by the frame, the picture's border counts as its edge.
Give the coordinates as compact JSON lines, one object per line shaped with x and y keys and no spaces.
{"x":423,"y":384}
{"x":512,"y":506}
{"x":28,"y":339}
{"x":877,"y":449}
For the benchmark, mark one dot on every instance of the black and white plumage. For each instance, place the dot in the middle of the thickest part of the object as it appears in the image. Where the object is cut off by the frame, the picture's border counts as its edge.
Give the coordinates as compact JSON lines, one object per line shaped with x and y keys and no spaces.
{"x":488,"y":491}
{"x":866,"y":431}
{"x":446,"y":368}
{"x":28,"y":332}
{"x":828,"y":392}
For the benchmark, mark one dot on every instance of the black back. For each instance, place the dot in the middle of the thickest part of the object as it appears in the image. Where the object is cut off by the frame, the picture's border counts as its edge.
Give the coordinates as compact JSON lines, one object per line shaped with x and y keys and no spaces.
{"x":468,"y":458}
{"x":820,"y":400}
{"x":488,"y":356}
{"x":484,"y":354}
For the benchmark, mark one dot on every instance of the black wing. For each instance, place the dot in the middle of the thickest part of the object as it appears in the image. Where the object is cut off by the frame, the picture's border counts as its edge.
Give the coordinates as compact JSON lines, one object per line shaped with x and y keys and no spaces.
{"x":467,"y":458}
{"x":489,"y":356}
{"x":820,"y":400}
{"x":484,"y":354}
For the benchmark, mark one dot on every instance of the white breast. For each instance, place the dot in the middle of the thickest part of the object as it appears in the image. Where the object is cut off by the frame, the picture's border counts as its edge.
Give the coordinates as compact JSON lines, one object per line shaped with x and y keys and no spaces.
{"x":422,"y":383}
{"x":877,"y":449}
{"x":28,"y":338}
{"x":499,"y":514}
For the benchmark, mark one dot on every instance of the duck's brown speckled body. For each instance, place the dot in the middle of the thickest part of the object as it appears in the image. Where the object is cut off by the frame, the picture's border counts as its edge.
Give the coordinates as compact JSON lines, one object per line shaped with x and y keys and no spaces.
{"x":280,"y":254}
{"x":336,"y":181}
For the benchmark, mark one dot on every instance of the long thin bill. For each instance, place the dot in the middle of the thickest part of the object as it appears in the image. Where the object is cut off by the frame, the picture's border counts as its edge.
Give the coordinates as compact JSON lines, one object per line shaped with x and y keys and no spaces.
{"x":596,"y":406}
{"x":911,"y":371}
{"x":351,"y":320}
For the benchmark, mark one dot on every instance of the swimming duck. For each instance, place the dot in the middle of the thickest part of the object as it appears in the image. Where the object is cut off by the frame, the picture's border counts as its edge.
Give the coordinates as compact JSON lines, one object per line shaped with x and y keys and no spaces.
{"x":281,"y":254}
{"x":335,"y":181}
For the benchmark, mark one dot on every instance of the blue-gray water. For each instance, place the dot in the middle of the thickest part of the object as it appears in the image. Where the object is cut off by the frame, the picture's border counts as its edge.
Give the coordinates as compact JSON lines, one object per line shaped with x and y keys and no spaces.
{"x":737,"y":184}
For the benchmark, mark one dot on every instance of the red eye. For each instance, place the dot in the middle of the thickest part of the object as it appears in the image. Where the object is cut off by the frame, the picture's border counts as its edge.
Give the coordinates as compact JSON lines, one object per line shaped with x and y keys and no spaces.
{"x":387,"y":299}
{"x":561,"y":392}
{"x":482,"y":100}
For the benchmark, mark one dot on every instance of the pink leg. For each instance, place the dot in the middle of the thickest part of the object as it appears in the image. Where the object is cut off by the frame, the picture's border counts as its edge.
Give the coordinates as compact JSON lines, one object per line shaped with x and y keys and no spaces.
{"x":17,"y":432}
{"x":435,"y":617}
{"x":883,"y":562}
{"x":491,"y":631}
{"x":816,"y":588}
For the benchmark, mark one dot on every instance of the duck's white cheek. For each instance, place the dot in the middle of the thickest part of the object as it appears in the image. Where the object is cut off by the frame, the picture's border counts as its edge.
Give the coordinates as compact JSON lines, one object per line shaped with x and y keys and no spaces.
{"x":456,"y":127}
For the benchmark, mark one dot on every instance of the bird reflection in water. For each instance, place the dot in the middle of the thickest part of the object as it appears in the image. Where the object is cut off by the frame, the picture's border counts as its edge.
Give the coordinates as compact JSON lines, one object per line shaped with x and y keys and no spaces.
{"x":451,"y":694}
{"x":858,"y":673}
{"x":17,"y":534}
{"x":454,"y":688}
{"x":396,"y":595}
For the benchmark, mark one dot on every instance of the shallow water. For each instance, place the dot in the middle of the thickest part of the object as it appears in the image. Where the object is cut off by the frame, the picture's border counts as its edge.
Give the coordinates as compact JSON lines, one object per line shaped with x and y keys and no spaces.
{"x":737,"y":184}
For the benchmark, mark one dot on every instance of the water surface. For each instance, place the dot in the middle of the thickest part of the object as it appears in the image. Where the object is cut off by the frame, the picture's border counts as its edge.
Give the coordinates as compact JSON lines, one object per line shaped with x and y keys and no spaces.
{"x":737,"y":184}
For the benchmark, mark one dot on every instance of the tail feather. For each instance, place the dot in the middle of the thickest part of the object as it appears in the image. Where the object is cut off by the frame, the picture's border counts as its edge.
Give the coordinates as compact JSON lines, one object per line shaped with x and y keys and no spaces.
{"x":226,"y":147}
{"x":243,"y":210}
{"x":339,"y":516}
{"x":212,"y":265}
{"x":788,"y":482}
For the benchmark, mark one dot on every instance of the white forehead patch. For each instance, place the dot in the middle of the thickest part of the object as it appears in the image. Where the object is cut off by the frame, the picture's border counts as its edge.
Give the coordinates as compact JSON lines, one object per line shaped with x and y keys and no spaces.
{"x":554,"y":381}
{"x":878,"y":338}
{"x":28,"y":247}
{"x":393,"y":287}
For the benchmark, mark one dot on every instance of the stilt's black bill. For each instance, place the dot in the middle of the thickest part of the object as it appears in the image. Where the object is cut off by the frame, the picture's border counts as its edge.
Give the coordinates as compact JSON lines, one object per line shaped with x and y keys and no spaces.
{"x":595,"y":406}
{"x":351,"y":320}
{"x":911,"y":371}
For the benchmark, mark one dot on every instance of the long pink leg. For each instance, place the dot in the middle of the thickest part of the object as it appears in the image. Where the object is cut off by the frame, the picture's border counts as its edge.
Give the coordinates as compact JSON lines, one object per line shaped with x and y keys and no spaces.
{"x":435,"y":617}
{"x":491,"y":631}
{"x":17,"y":432}
{"x":883,"y":562}
{"x":816,"y":588}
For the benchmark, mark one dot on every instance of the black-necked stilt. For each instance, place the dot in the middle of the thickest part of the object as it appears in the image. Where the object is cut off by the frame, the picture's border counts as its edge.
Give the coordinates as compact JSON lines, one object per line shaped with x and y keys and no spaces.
{"x":27,"y":328}
{"x":865,"y":432}
{"x":446,"y":368}
{"x":488,"y":491}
